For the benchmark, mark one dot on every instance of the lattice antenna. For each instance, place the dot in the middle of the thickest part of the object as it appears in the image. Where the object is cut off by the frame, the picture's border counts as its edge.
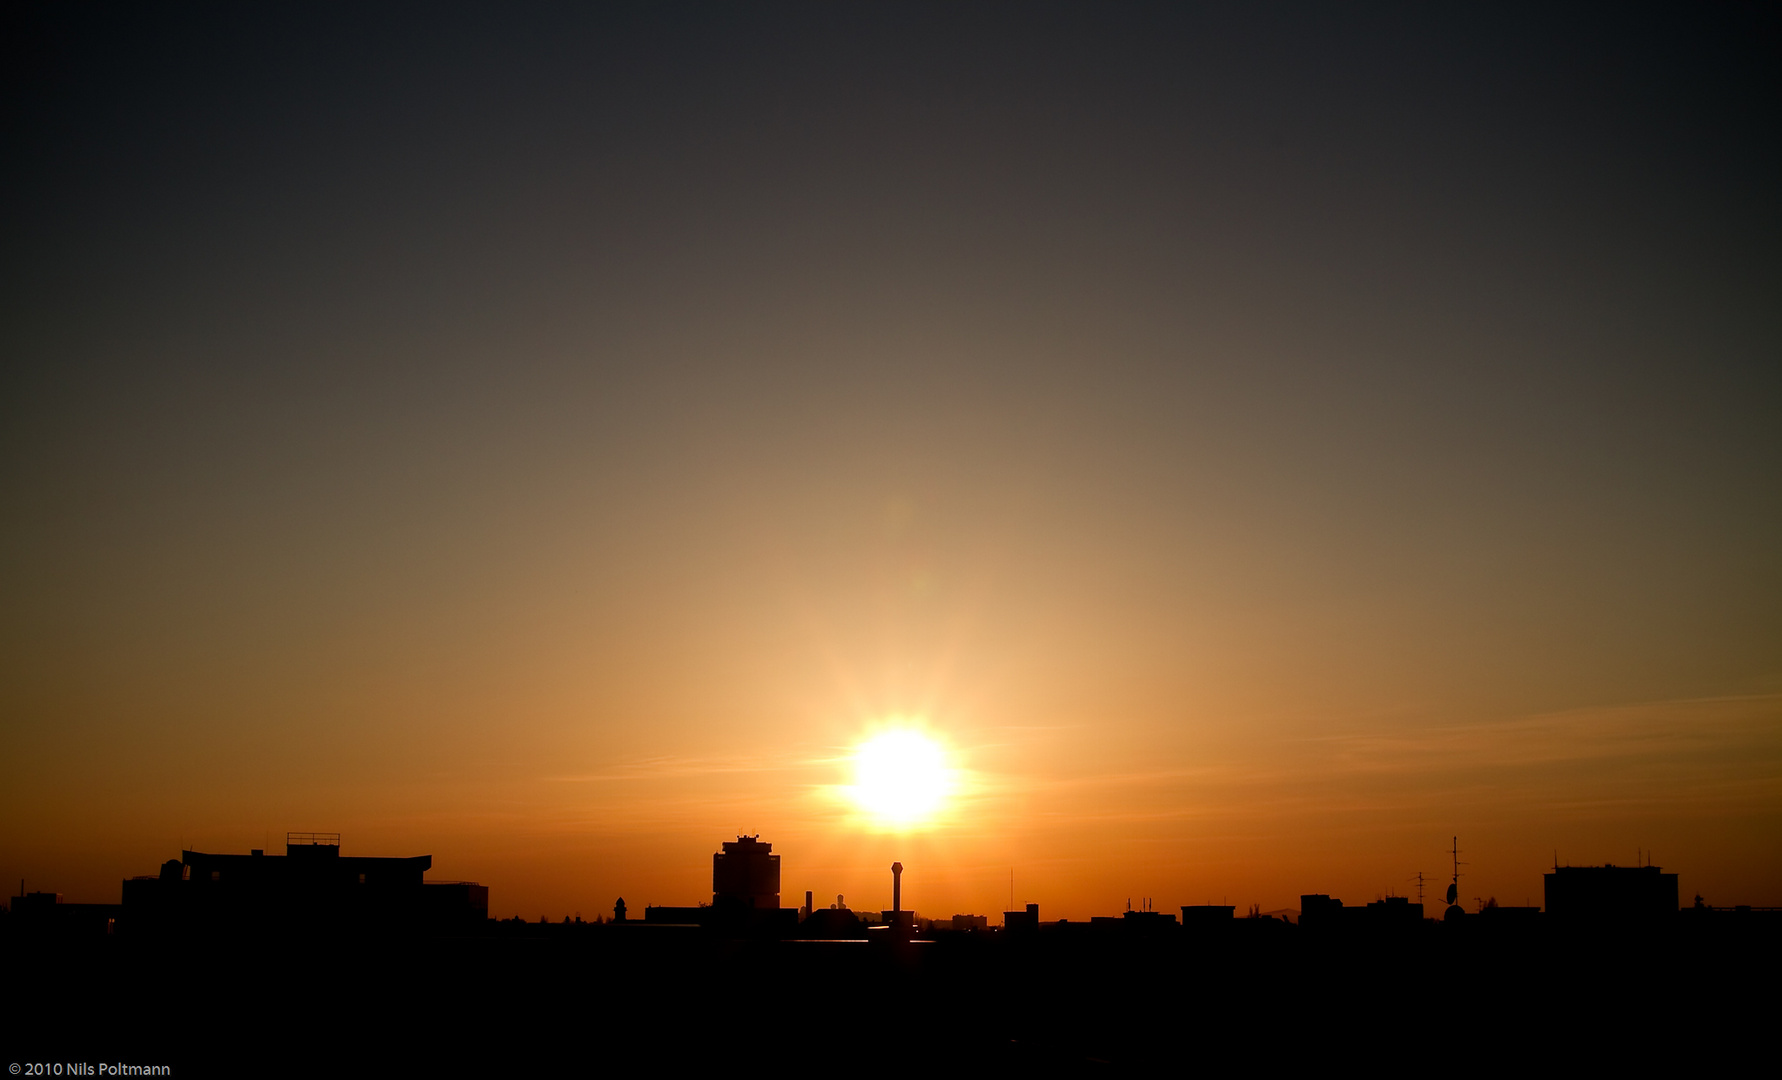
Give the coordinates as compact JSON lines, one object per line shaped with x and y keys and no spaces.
{"x":1454,"y":886}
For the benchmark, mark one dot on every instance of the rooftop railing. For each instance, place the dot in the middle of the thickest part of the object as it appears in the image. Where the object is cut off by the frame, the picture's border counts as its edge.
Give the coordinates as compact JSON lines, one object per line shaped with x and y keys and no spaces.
{"x":331,"y":839}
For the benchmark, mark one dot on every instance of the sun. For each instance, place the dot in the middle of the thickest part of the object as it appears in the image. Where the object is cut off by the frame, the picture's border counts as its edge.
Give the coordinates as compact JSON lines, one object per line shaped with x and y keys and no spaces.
{"x":901,"y":777}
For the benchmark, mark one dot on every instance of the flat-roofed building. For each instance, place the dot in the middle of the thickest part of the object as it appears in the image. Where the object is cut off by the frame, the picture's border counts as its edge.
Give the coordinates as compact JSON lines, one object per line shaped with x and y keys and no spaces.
{"x":310,"y":886}
{"x":1611,"y":893}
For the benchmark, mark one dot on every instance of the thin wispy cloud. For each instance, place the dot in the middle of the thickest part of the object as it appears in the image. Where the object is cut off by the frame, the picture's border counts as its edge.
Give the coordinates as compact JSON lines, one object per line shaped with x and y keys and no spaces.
{"x":1712,"y":752}
{"x":670,"y":767}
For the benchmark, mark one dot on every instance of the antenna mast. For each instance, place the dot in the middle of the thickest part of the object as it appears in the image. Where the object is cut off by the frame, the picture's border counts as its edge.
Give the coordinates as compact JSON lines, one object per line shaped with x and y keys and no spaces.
{"x":1454,"y":886}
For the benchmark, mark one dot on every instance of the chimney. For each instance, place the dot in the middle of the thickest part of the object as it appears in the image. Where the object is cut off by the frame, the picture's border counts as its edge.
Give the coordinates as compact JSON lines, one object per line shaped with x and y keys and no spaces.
{"x":897,"y":889}
{"x":807,"y":904}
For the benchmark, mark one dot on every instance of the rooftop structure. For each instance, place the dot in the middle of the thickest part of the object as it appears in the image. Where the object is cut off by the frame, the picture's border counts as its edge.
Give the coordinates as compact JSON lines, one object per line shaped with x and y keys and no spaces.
{"x":746,"y":874}
{"x":311,"y":885}
{"x":1021,"y":921}
{"x":1611,"y":893}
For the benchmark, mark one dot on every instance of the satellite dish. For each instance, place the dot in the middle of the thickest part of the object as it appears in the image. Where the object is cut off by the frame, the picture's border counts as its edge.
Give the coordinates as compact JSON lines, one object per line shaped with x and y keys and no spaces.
{"x":1453,"y":891}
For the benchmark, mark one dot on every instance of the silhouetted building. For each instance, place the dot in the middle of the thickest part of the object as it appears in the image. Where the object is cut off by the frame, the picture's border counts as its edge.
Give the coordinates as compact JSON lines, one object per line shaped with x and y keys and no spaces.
{"x":1205,"y":916}
{"x":970,"y":922}
{"x":1317,"y":911}
{"x":1320,"y":912}
{"x":1503,"y":916}
{"x":1148,"y":922}
{"x":1741,"y":919}
{"x":43,"y":914}
{"x":33,"y":903}
{"x":1021,"y":920}
{"x":746,"y":874}
{"x":745,"y":895}
{"x":895,"y":916}
{"x":660,"y":914}
{"x":459,"y":904}
{"x":1611,"y":893}
{"x":311,"y":886}
{"x":1394,"y":911}
{"x":832,"y":923}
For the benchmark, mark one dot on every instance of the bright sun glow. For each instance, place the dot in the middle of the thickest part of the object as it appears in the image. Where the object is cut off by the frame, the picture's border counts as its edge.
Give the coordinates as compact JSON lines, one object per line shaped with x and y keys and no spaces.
{"x":901,"y":777}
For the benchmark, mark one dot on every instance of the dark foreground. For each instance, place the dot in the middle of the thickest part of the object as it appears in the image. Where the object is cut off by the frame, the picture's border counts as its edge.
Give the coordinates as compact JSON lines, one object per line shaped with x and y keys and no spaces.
{"x":570,"y":1001}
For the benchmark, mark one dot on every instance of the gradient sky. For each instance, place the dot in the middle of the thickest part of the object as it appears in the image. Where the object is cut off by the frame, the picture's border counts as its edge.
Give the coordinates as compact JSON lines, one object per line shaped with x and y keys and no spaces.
{"x":1261,"y":442}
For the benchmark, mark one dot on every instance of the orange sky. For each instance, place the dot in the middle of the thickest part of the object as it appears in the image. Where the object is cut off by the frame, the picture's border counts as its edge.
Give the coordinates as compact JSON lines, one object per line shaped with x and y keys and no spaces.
{"x":1113,"y":744}
{"x":1260,"y":449}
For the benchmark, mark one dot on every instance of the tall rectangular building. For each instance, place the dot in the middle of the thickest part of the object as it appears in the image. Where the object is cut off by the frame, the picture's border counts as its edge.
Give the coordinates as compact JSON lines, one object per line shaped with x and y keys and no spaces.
{"x":746,"y":874}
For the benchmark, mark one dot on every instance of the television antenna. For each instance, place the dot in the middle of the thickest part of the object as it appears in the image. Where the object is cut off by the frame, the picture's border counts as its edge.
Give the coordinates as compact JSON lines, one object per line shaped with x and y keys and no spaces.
{"x":1454,"y":886}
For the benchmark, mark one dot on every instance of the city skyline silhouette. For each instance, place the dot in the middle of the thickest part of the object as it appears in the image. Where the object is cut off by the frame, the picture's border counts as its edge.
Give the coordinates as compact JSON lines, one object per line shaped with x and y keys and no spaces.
{"x":1158,"y":462}
{"x":1267,"y":435}
{"x":243,"y":891}
{"x":678,"y":984}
